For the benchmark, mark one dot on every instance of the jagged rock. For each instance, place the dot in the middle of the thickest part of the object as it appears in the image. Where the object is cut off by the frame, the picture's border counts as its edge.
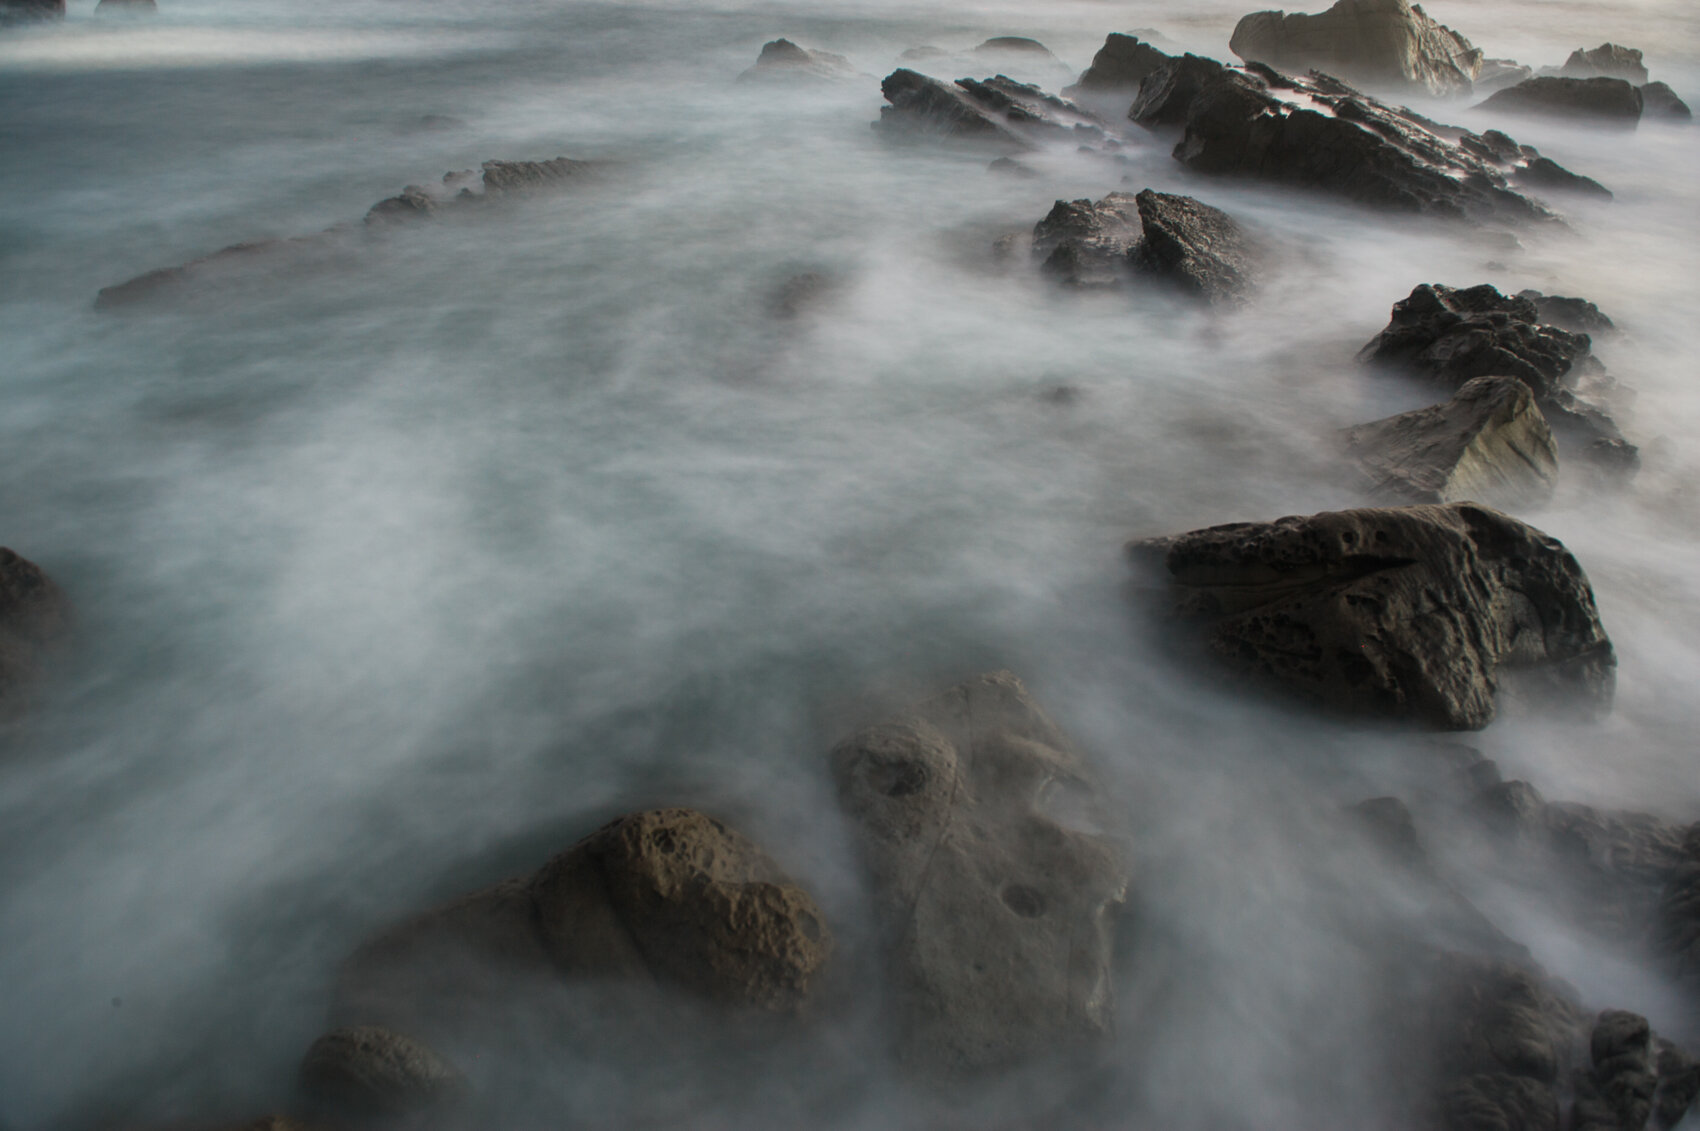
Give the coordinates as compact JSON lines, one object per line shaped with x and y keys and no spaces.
{"x":1600,"y":100}
{"x":1496,"y":73}
{"x":366,"y":1071}
{"x":1658,"y":100}
{"x":1321,"y":134}
{"x":1400,"y":612}
{"x":1085,"y":243}
{"x":1637,"y":1079}
{"x":1452,"y":335}
{"x":522,"y":177}
{"x":1577,"y":315}
{"x":20,"y":11}
{"x":35,"y":616}
{"x":1608,"y":60}
{"x":1118,"y":68}
{"x":979,"y":827}
{"x":998,"y":111}
{"x":1199,"y":248}
{"x":1376,"y":42}
{"x":1489,"y":442}
{"x":785,"y":61}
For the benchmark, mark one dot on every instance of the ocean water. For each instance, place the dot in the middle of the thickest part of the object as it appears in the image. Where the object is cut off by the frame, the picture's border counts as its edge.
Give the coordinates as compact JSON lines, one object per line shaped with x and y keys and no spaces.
{"x":398,"y":572}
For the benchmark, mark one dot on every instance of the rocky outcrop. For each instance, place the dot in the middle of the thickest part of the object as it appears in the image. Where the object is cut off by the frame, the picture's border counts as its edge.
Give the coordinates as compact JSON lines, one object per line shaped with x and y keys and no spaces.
{"x":368,"y":1072}
{"x":34,"y":618}
{"x":1608,"y":60}
{"x":1546,"y":175}
{"x":1659,"y":101}
{"x":1085,"y":243}
{"x":1453,"y":335}
{"x":1193,"y":247}
{"x":1378,"y":43}
{"x":997,"y":111}
{"x":784,"y":61}
{"x":1577,"y":315}
{"x":126,"y":8}
{"x":982,"y":834}
{"x":1601,"y":101}
{"x":1676,"y":931}
{"x":1013,"y":44}
{"x":1496,"y":73}
{"x":1636,"y":1080}
{"x":23,"y":11}
{"x":1411,"y":613}
{"x":1318,"y":133}
{"x":1489,"y":442}
{"x":1117,"y":70}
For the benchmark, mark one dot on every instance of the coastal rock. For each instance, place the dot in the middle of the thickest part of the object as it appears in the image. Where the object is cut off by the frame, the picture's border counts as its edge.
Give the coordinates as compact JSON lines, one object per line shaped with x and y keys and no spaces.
{"x":1198,"y":248}
{"x":1577,"y":315}
{"x":21,"y":11}
{"x":997,"y":111}
{"x":1016,"y":44}
{"x":366,"y":1071}
{"x":1547,"y":175}
{"x":1676,"y":933}
{"x":1116,"y":71}
{"x":1601,"y":101}
{"x":526,"y":177}
{"x":783,"y":60}
{"x":126,"y":8}
{"x":1608,"y":60}
{"x":1319,"y":133}
{"x":1403,"y":612}
{"x":1489,"y":442}
{"x":34,"y":617}
{"x":1659,"y":101}
{"x":981,"y":831}
{"x":1496,"y":73}
{"x":1085,"y":243}
{"x":1390,"y":43}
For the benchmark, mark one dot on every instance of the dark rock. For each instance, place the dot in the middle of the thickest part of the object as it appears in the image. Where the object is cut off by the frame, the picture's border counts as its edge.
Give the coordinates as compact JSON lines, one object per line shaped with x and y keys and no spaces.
{"x":1321,"y":134}
{"x":366,"y":1071}
{"x":20,"y":11}
{"x":1679,"y":1085}
{"x":1388,"y":822}
{"x":1376,"y":42}
{"x":997,"y":111}
{"x":1199,"y":248}
{"x":785,"y":61}
{"x":1608,"y":60}
{"x":524,"y":177}
{"x":1547,"y":175}
{"x":1496,"y":73}
{"x":1083,"y":243}
{"x":1019,"y":44}
{"x":1489,"y":442}
{"x":1602,"y":101}
{"x":1659,"y":101}
{"x":34,"y":618}
{"x":981,"y":831}
{"x":1577,"y":315}
{"x":1118,"y":68}
{"x":126,"y":7}
{"x":1406,"y":613}
{"x":1676,"y":925}
{"x":1617,"y":1093}
{"x":924,"y":52}
{"x":1010,"y":167}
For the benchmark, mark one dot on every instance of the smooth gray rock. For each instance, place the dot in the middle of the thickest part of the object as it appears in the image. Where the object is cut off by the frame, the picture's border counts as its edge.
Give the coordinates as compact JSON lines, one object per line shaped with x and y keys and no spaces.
{"x":1388,"y":43}
{"x":1658,"y":100}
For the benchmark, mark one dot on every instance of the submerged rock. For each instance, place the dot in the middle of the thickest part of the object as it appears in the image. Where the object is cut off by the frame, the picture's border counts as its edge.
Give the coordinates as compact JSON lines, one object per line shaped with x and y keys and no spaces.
{"x":126,"y":7}
{"x":1118,"y":69}
{"x":1660,"y":101}
{"x":366,"y":1071}
{"x":1577,"y":315}
{"x":981,"y":831}
{"x":1600,"y":100}
{"x":998,"y":111}
{"x":785,"y":61}
{"x":35,"y":616}
{"x":1403,"y":612}
{"x":1197,"y":248}
{"x":1547,"y":175}
{"x":1608,"y":60}
{"x":21,"y":11}
{"x":1376,"y":42}
{"x":1489,"y":442}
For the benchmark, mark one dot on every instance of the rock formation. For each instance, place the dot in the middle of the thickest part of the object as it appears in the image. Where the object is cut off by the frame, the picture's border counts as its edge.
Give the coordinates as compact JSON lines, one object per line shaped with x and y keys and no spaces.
{"x":1659,"y":101}
{"x":998,"y":111}
{"x":1602,"y":101}
{"x":782,"y":60}
{"x":1198,"y":249}
{"x":1116,"y":71}
{"x":1608,"y":60}
{"x":1378,"y":43}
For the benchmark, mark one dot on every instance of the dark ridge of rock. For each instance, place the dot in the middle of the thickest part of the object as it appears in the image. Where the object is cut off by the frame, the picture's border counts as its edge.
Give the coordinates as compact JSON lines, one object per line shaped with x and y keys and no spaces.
{"x":784,"y":60}
{"x":522,"y":177}
{"x":998,"y":110}
{"x":1547,"y":175}
{"x":1119,"y":66}
{"x":1577,"y":315}
{"x":1319,"y":133}
{"x":1608,"y":60}
{"x":1376,"y":42}
{"x":368,"y":1072}
{"x":1017,"y":43}
{"x":922,"y":53}
{"x":1637,"y":1079}
{"x":1604,"y":101}
{"x":209,"y":272}
{"x":1085,"y":243}
{"x":126,"y":7}
{"x":1452,"y":335}
{"x":1199,"y":248}
{"x":979,"y":828}
{"x":1489,"y":442}
{"x":35,"y":616}
{"x":1658,"y":100}
{"x":21,"y":11}
{"x":1413,"y":613}
{"x":1496,"y":73}
{"x":1010,"y":167}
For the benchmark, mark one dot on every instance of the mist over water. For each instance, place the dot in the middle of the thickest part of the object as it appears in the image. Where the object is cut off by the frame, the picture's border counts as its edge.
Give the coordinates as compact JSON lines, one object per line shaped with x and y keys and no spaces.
{"x":395,"y":575}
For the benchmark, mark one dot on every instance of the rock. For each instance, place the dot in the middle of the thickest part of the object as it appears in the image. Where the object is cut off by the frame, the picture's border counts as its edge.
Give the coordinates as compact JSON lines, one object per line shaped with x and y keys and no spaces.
{"x":1118,"y":68}
{"x":1085,"y":244}
{"x":1018,"y":44}
{"x":21,"y":11}
{"x":785,"y":61}
{"x":1659,"y":101}
{"x":1489,"y":442}
{"x":980,"y":829}
{"x":1318,"y":133}
{"x":1389,"y":43}
{"x":1199,"y":248}
{"x":1547,"y":175}
{"x":801,"y":293}
{"x":998,"y":111}
{"x":1676,"y":924}
{"x":1452,"y":335}
{"x":1601,"y":101}
{"x":366,"y":1071}
{"x":1577,"y":315}
{"x":1608,"y":60}
{"x":1401,"y":612}
{"x":924,"y":52}
{"x":35,"y":617}
{"x":1496,"y":73}
{"x":126,"y":8}
{"x":526,"y":177}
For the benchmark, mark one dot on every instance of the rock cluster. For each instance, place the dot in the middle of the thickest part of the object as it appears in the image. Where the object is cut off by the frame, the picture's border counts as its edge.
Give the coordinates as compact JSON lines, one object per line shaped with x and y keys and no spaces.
{"x":1385,"y":43}
{"x":782,"y":60}
{"x":1198,"y":249}
{"x":998,"y":111}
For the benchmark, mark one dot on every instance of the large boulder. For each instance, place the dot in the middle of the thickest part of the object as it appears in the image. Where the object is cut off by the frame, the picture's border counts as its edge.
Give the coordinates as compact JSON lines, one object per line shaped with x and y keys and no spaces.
{"x":782,"y":60}
{"x":1489,"y":442}
{"x":1379,"y":43}
{"x":1403,"y":612}
{"x":1319,"y":133}
{"x":1608,"y":60}
{"x":982,"y":833}
{"x":1190,"y":246}
{"x":1601,"y":101}
{"x":34,"y":617}
{"x":1084,"y":243}
{"x":1116,"y":71}
{"x":997,"y":111}
{"x":366,"y":1071}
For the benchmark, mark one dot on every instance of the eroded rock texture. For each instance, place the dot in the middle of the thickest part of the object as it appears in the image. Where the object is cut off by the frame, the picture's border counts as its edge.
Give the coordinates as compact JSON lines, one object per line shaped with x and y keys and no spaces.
{"x":1116,"y":72}
{"x":34,"y":618}
{"x":981,"y":830}
{"x":1191,"y":246}
{"x":1389,"y":43}
{"x":1401,"y":612}
{"x":367,"y":1071}
{"x":1608,"y":60}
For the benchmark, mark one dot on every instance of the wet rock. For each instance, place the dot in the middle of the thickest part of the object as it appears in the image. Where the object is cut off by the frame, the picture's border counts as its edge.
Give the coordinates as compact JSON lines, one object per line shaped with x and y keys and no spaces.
{"x":1659,"y":101}
{"x":997,"y":111}
{"x":1452,"y":335}
{"x":1547,"y":175}
{"x":1198,"y":248}
{"x":1608,"y":60}
{"x":1321,"y":134}
{"x":35,"y":616}
{"x":1085,"y":243}
{"x":1412,"y":613}
{"x":1577,"y":315}
{"x":1601,"y":101}
{"x":24,"y":11}
{"x":1118,"y":69}
{"x":366,"y":1071}
{"x":981,"y":831}
{"x":1676,"y":924}
{"x":1489,"y":442}
{"x":524,"y":177}
{"x":783,"y":60}
{"x":1389,"y":43}
{"x":1637,"y":1080}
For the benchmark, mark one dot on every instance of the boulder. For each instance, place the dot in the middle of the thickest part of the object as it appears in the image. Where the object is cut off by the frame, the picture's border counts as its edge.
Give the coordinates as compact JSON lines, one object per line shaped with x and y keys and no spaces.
{"x":35,"y":617}
{"x":1577,"y":315}
{"x":21,"y":11}
{"x":366,"y":1071}
{"x":1452,"y":335}
{"x":1198,"y":248}
{"x":783,"y":60}
{"x":1413,"y":613}
{"x":1601,"y":101}
{"x":1636,"y":1079}
{"x":1118,"y":68}
{"x":1085,"y":243}
{"x":1659,"y":101}
{"x":981,"y":830}
{"x":1014,"y":44}
{"x":1489,"y":442}
{"x":1387,"y":43}
{"x":997,"y":111}
{"x":1608,"y":60}
{"x":126,"y":8}
{"x":1319,"y":133}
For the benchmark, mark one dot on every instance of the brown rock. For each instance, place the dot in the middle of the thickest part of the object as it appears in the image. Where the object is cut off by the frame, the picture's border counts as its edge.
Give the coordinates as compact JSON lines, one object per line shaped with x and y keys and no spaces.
{"x":373,"y":1072}
{"x":1377,"y":42}
{"x":1608,"y":60}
